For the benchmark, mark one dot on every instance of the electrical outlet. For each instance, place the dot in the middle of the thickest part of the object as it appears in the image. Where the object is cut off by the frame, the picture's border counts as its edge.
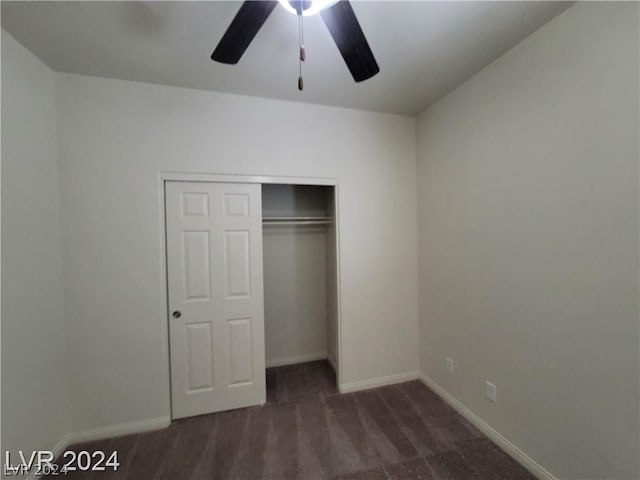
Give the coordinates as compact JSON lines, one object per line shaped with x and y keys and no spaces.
{"x":449,"y":365}
{"x":491,"y":392}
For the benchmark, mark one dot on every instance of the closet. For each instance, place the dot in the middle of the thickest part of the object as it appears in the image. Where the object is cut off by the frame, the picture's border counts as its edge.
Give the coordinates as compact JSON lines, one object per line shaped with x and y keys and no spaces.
{"x":252,"y":282}
{"x":300,"y":274}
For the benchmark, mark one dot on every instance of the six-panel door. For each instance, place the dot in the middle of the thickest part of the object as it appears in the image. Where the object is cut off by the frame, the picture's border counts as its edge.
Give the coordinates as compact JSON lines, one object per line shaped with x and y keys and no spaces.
{"x":216,"y":321}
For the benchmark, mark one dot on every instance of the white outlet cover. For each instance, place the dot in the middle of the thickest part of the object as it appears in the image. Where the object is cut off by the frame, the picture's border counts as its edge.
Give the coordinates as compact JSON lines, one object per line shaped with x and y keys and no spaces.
{"x":449,"y":364}
{"x":491,"y":392}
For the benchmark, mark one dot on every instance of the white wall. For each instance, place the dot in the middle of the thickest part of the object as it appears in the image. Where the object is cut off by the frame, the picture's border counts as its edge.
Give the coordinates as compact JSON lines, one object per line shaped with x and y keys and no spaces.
{"x":528,"y":226}
{"x":295,"y":294}
{"x":115,"y":137}
{"x":331,"y":272}
{"x":35,"y":406}
{"x":296,"y":275}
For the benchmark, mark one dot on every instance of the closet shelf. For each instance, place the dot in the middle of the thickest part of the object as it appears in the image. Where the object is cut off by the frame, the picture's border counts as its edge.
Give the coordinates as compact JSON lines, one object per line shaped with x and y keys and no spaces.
{"x":277,"y":221}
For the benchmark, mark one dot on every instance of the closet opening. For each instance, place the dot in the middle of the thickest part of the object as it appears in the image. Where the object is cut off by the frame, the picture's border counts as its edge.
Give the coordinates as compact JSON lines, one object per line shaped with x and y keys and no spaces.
{"x":300,"y":290}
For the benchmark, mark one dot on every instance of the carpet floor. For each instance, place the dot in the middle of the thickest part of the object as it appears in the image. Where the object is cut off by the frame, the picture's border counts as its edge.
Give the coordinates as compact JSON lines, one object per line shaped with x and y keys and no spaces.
{"x":307,"y":430}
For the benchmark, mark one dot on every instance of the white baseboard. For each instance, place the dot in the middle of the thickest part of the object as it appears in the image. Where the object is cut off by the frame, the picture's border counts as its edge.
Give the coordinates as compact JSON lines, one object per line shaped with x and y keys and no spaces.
{"x":62,"y":445}
{"x":378,"y":382}
{"x":119,"y":429}
{"x":107,"y":431}
{"x":308,"y":357}
{"x":57,"y":450}
{"x":513,"y":451}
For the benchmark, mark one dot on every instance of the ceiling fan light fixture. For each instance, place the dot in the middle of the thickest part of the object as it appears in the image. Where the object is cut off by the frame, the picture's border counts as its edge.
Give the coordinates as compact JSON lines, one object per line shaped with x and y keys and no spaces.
{"x":316,"y":7}
{"x":337,"y":15}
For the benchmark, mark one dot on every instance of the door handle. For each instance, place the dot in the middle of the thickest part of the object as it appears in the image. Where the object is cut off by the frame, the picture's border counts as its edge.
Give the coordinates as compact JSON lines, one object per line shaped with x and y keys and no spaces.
{"x":176,"y":314}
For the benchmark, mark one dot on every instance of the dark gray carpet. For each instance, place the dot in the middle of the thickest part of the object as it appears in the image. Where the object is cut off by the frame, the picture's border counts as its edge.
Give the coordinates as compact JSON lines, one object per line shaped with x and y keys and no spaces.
{"x":309,"y":431}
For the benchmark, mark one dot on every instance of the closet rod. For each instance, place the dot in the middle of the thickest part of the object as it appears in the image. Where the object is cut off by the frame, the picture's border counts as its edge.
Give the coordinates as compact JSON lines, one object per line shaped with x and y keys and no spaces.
{"x":296,"y":222}
{"x":292,"y":219}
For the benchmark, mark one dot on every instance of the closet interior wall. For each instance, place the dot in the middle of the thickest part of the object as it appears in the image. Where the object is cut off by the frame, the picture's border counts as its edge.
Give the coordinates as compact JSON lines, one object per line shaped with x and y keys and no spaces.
{"x":300,"y":272}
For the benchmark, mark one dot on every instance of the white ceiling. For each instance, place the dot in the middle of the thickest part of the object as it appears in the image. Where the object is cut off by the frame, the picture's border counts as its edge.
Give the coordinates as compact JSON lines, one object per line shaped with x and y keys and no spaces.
{"x":424,"y":49}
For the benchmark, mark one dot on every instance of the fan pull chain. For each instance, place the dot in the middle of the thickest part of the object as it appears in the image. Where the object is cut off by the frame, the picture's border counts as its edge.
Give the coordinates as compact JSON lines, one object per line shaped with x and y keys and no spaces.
{"x":303,"y":54}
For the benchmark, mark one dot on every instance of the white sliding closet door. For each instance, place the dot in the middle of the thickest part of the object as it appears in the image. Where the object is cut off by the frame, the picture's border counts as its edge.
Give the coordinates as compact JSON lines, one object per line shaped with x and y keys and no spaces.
{"x":216,"y":311}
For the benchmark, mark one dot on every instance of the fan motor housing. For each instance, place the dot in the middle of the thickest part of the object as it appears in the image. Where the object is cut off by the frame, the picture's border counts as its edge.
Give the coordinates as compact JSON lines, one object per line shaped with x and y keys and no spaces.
{"x":300,"y":5}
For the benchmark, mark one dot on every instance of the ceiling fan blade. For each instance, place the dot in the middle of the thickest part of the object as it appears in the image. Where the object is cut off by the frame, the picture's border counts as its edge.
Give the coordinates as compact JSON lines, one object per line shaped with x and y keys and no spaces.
{"x":243,"y":28}
{"x":343,"y":25}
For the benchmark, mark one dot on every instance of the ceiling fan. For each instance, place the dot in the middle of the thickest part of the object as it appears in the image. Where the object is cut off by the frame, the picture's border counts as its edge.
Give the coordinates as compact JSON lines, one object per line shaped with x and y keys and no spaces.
{"x":339,"y":18}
